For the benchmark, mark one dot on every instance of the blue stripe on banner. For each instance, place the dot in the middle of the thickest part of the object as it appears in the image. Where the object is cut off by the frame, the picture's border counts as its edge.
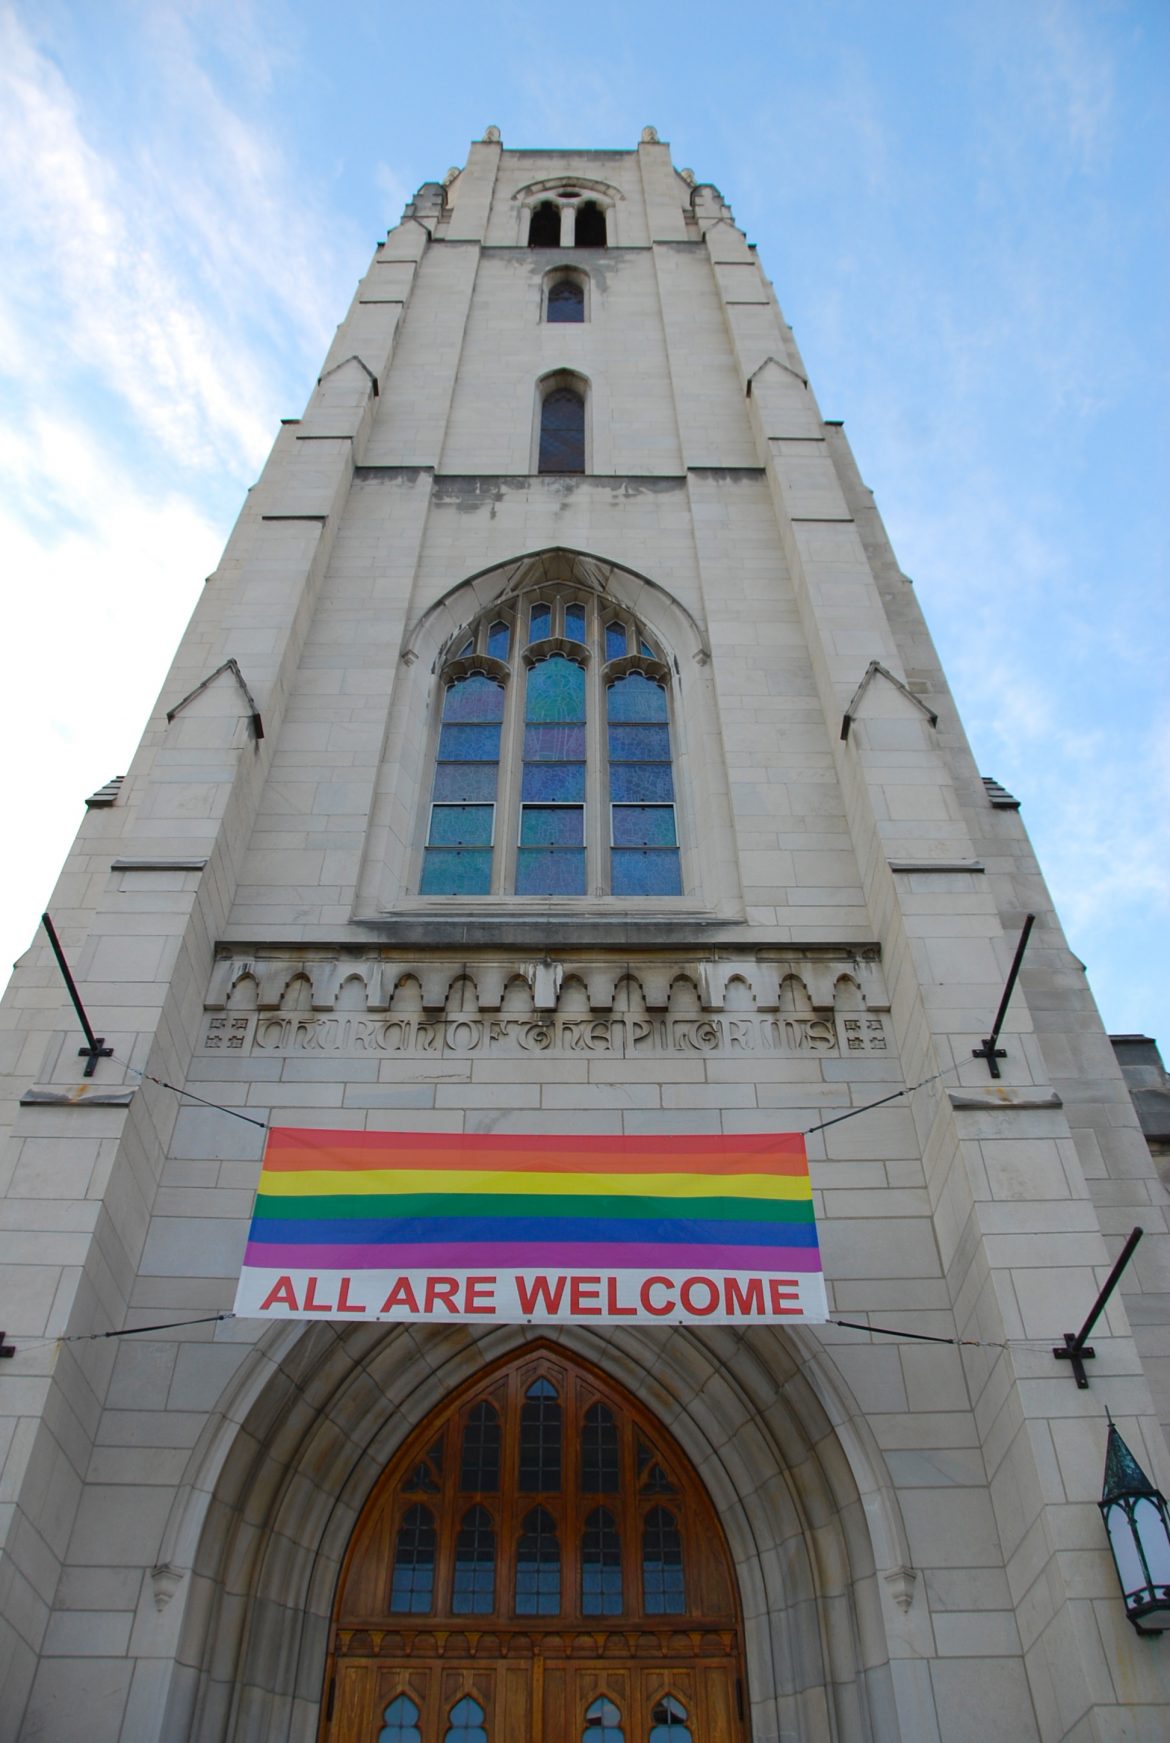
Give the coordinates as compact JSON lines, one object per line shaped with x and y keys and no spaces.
{"x":408,"y":1231}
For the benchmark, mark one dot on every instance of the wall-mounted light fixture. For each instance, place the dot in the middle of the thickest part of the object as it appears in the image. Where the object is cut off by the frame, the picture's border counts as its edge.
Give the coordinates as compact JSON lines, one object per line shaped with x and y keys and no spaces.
{"x":1138,"y":1522}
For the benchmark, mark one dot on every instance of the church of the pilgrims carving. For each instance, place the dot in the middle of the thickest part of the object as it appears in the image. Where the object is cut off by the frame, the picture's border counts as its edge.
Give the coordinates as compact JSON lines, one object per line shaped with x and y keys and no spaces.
{"x":558,"y":758}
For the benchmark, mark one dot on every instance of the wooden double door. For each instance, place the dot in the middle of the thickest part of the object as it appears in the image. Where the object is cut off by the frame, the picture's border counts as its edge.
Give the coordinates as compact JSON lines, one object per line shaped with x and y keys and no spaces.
{"x":541,"y":1699}
{"x":540,"y":1564}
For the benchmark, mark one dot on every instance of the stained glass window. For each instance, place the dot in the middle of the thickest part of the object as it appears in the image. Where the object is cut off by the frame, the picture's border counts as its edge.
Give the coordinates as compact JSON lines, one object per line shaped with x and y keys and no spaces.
{"x":562,"y":431}
{"x":538,"y":1566}
{"x":458,"y":858}
{"x":551,"y":855}
{"x":579,"y":814}
{"x":601,"y":1565}
{"x":412,"y":1584}
{"x":644,"y":858}
{"x":400,"y":1722}
{"x":663,"y":1589}
{"x":475,"y":1565}
{"x":603,"y":1722}
{"x":566,"y":301}
{"x":540,"y":1440}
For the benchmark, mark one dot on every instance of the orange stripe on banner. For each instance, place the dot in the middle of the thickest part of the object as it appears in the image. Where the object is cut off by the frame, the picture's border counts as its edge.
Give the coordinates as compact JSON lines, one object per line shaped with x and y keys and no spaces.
{"x":292,"y":1149}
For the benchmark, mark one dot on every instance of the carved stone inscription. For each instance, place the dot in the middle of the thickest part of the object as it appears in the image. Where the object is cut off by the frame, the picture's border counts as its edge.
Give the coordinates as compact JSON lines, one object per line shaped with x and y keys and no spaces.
{"x":374,"y":1006}
{"x":622,"y":1036}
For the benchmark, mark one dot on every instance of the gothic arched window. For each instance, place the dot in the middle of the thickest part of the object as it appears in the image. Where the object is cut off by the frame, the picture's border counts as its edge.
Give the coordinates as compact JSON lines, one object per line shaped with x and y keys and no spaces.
{"x":565,"y":301}
{"x":576,"y":698}
{"x":562,"y":431}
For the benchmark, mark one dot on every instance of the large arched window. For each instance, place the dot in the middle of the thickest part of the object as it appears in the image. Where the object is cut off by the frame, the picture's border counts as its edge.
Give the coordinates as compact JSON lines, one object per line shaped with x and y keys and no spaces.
{"x":628,"y":1605}
{"x":554,"y":771}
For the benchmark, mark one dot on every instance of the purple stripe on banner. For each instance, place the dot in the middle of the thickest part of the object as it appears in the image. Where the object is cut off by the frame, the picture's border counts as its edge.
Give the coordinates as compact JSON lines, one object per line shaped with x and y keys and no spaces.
{"x":527,"y":1256}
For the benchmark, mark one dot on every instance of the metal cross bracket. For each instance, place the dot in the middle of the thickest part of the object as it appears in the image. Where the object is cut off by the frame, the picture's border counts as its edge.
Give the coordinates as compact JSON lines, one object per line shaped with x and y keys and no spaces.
{"x":989,"y":1050}
{"x":1074,"y":1349}
{"x":95,"y":1047}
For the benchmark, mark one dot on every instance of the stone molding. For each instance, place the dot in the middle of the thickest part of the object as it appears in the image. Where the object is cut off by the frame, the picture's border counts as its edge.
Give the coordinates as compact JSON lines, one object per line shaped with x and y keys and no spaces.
{"x":376,"y":1003}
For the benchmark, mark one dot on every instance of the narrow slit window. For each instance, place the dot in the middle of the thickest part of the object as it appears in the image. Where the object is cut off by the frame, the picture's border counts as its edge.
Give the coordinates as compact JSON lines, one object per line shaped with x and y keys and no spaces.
{"x":663,"y":1586}
{"x":562,"y":431}
{"x":575,"y":623}
{"x":412,"y":1583}
{"x":551,"y":852}
{"x":538,"y":1566}
{"x":540,"y":1440}
{"x":499,"y":638}
{"x":566,"y":301}
{"x":474,"y":1591}
{"x":461,"y":835}
{"x":601,"y":1565}
{"x":644,"y":859}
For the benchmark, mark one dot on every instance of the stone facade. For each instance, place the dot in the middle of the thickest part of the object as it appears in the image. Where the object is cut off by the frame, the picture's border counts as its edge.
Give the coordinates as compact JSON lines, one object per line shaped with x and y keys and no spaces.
{"x":912,"y":1523}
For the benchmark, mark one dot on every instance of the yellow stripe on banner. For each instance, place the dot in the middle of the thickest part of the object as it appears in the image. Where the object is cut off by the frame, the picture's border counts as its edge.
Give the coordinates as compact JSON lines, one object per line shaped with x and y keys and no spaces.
{"x":376,"y":1181}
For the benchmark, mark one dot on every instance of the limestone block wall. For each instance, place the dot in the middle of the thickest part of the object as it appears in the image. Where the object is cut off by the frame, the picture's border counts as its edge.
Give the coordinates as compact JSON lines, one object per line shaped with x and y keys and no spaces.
{"x":914,"y":1522}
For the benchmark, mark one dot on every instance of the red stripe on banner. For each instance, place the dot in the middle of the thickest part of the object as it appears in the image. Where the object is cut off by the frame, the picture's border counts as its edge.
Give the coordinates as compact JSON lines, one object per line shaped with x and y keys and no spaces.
{"x":296,"y":1149}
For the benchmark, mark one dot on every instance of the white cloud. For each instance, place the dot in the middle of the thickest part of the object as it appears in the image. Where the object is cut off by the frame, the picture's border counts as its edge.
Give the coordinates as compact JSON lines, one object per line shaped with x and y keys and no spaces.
{"x":93,"y":610}
{"x":165,"y":283}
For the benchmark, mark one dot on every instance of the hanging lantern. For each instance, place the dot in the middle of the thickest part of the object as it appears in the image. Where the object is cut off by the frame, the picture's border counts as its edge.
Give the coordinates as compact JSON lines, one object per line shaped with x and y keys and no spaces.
{"x":1138,"y":1522}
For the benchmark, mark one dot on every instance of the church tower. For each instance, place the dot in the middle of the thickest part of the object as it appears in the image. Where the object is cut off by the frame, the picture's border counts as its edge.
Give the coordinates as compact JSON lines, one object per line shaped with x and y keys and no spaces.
{"x":558,"y":754}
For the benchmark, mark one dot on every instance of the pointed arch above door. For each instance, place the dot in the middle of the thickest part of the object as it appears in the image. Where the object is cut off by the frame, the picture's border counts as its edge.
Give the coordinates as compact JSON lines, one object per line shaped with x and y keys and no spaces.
{"x":541,"y":1548}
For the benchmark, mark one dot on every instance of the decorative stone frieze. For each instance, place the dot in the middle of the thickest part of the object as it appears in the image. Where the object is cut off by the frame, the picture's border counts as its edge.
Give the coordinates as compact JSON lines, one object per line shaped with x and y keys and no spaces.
{"x":307,"y":1002}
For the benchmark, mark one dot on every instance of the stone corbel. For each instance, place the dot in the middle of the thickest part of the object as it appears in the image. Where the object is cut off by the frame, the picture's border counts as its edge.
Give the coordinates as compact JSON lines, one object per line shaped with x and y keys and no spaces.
{"x":901,"y":1582}
{"x":165,"y":1580}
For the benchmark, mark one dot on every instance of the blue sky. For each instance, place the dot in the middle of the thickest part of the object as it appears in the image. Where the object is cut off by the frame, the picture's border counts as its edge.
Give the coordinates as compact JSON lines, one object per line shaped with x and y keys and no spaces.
{"x":962,"y":209}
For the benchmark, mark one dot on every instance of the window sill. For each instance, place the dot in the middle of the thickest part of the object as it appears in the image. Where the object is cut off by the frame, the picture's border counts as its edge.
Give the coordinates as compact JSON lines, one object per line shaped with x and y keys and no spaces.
{"x":524,"y":921}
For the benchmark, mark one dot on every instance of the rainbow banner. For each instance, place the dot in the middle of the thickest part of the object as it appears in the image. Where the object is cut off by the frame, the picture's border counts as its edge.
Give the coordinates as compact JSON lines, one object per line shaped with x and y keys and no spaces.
{"x":440,"y":1226}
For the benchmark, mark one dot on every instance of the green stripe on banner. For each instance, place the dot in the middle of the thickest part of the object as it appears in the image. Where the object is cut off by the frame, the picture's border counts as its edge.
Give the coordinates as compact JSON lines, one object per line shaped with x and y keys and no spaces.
{"x":349,"y":1207}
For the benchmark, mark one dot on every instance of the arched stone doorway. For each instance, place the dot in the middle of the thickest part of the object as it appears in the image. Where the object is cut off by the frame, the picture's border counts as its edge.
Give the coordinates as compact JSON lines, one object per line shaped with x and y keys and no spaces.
{"x":539,"y":1562}
{"x":308,"y":1429}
